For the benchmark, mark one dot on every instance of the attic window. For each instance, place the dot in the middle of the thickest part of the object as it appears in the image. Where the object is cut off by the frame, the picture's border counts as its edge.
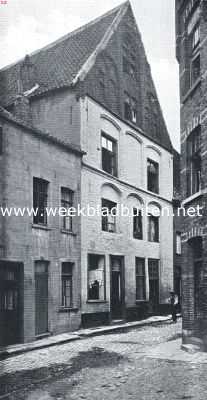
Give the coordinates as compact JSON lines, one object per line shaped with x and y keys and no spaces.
{"x":130,"y":109}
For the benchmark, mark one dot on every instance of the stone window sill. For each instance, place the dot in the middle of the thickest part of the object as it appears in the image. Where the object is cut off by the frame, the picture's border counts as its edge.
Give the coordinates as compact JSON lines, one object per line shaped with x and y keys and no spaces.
{"x":96,"y":301}
{"x":68,"y":309}
{"x":191,"y":198}
{"x":66,"y":232}
{"x":191,"y":90}
{"x":43,"y":227}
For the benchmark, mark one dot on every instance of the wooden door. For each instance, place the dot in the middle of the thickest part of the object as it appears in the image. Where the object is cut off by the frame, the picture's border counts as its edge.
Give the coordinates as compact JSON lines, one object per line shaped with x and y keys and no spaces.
{"x":153,"y":266}
{"x":117,"y":287}
{"x":41,"y":298}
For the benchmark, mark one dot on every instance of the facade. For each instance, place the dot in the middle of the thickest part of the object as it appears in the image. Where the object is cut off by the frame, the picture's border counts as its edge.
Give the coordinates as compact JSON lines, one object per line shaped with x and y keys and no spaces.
{"x":177,"y":228}
{"x":92,"y":90}
{"x":191,"y":31}
{"x":40,"y":254}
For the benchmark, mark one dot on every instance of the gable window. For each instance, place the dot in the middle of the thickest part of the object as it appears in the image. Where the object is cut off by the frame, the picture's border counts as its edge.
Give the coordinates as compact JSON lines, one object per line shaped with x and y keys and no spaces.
{"x":40,"y":195}
{"x":130,"y":108}
{"x":137,"y":224}
{"x":153,"y":228}
{"x":152,"y":176}
{"x":109,"y":155}
{"x":178,"y":243}
{"x":109,"y":210}
{"x":96,"y":277}
{"x":194,"y":162}
{"x":140,"y":279}
{"x":195,"y":69}
{"x":67,"y":203}
{"x":67,"y":284}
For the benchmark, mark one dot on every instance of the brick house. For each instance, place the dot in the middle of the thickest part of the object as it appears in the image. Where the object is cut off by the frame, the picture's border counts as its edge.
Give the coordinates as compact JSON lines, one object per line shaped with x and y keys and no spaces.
{"x":93,"y":89}
{"x":191,"y":34}
{"x":40,"y":255}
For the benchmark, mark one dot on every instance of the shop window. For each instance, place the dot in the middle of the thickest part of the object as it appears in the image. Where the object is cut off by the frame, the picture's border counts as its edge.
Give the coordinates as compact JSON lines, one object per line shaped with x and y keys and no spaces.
{"x":96,"y":277}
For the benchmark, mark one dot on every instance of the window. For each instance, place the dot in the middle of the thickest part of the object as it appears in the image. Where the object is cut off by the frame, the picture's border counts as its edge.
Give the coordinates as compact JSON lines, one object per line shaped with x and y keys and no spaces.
{"x":1,"y":140}
{"x":130,"y":108}
{"x":194,"y":162}
{"x":67,"y":203}
{"x":108,"y":216}
{"x":140,"y":279}
{"x":137,"y":224}
{"x":153,"y":229}
{"x":67,"y":284}
{"x":109,"y":155}
{"x":96,"y":277}
{"x":40,"y":190}
{"x":152,"y":176}
{"x":195,"y":69}
{"x":195,"y":38}
{"x":178,"y":243}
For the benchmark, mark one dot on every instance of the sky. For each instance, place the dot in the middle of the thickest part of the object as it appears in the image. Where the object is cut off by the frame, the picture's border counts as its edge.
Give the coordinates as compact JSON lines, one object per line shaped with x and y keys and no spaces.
{"x":27,"y":25}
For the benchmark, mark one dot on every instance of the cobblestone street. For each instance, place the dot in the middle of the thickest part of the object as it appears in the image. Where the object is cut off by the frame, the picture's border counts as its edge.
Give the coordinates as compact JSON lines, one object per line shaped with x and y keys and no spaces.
{"x":115,"y":366}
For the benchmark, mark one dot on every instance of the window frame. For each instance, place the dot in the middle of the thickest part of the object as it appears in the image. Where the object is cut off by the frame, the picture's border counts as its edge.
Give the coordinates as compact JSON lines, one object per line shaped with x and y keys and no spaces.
{"x":66,"y":276}
{"x":41,"y":217}
{"x":193,"y":79}
{"x":137,"y":219}
{"x":194,"y":161}
{"x":178,"y":245}
{"x":113,"y":154}
{"x":104,"y":277}
{"x":157,"y":229}
{"x":142,"y":277}
{"x":157,"y":167}
{"x":67,"y":204}
{"x":104,"y":219}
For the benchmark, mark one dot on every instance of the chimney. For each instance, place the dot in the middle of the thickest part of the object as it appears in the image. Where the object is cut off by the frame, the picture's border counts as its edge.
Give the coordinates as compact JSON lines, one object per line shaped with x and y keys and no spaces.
{"x":22,"y":109}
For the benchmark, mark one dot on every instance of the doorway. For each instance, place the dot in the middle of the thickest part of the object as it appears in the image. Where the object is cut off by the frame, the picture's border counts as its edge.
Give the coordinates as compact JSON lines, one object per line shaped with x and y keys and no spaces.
{"x":117,"y":287}
{"x":41,"y":298}
{"x":153,"y":268}
{"x":10,"y":316}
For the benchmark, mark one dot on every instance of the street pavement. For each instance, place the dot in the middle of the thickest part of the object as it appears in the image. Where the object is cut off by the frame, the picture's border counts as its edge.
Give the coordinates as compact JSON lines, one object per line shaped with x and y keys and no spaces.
{"x":143,"y":364}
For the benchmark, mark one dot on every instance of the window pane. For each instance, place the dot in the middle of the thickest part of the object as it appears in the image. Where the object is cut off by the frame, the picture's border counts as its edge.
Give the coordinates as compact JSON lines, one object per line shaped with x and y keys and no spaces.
{"x":137,"y":224}
{"x":108,"y":216}
{"x":153,"y":229}
{"x":67,"y":284}
{"x":140,"y":279}
{"x":152,"y":176}
{"x":96,"y":277}
{"x":104,"y":142}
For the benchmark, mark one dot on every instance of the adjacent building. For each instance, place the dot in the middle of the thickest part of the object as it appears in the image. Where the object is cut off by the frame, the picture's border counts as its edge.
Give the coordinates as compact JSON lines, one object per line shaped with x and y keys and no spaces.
{"x":91,"y":90}
{"x":191,"y":35}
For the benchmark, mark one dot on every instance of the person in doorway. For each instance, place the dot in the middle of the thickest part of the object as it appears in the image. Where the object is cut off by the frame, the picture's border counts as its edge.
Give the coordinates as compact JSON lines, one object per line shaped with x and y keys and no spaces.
{"x":173,"y":300}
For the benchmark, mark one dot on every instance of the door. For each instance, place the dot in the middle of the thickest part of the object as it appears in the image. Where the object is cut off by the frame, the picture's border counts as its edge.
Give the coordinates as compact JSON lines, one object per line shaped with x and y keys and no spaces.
{"x":9,"y":304}
{"x":153,"y":266}
{"x":117,"y":287}
{"x":41,"y":297}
